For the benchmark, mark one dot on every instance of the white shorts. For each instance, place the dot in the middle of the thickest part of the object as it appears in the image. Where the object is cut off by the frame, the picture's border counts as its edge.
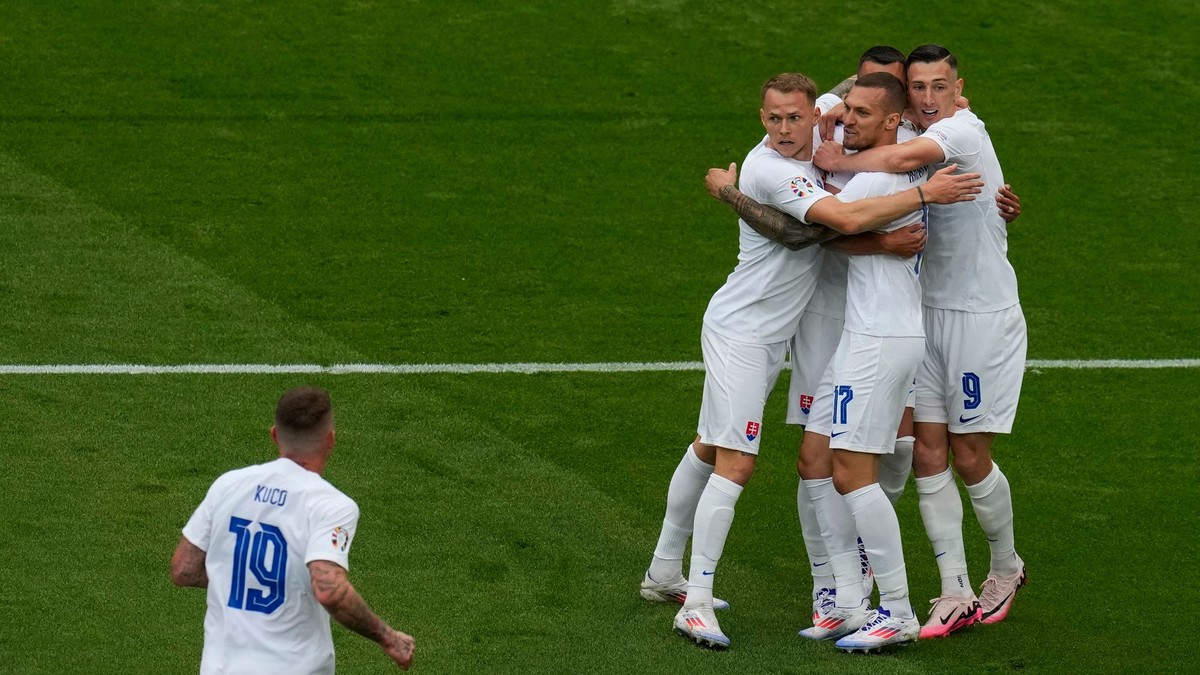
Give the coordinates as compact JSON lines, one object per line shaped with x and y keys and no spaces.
{"x":738,"y":378}
{"x":862,"y":396}
{"x":971,"y":377}
{"x":812,"y":348}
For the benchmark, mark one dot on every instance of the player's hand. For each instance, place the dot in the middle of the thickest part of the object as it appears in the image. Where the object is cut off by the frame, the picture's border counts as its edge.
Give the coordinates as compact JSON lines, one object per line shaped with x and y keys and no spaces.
{"x":905,"y":241}
{"x":828,"y":155}
{"x":946,"y":187}
{"x":1009,"y":203}
{"x":829,"y":121}
{"x":719,"y":178}
{"x":399,"y":647}
{"x":962,"y":103}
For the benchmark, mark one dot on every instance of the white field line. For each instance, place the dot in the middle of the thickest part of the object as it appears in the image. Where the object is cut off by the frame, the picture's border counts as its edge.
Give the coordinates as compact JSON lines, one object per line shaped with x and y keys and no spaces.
{"x":473,"y":368}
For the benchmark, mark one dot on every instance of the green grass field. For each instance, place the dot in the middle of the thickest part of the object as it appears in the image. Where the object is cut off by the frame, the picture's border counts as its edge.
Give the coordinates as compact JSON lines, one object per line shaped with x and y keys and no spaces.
{"x":457,"y":182}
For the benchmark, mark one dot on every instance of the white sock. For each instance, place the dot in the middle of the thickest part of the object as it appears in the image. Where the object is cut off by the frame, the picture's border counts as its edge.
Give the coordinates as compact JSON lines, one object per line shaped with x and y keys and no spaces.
{"x":841,"y":540}
{"x":686,"y":486}
{"x":714,"y":516}
{"x":880,"y":532}
{"x":992,"y":500}
{"x":814,"y":545}
{"x":894,"y":468}
{"x":941,"y":511}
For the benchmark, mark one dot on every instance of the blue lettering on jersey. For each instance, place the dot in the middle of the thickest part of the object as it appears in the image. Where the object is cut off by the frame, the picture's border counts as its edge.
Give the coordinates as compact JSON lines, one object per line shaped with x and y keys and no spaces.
{"x":917,"y":174}
{"x":269,"y":495}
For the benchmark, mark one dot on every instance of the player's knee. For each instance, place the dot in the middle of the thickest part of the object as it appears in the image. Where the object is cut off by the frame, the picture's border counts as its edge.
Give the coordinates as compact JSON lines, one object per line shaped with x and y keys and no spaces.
{"x":928,"y":460}
{"x":972,"y":465}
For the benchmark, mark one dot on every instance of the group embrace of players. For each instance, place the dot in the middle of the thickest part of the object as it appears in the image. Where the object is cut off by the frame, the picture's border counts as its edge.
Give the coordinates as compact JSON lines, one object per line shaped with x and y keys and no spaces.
{"x":873,"y":242}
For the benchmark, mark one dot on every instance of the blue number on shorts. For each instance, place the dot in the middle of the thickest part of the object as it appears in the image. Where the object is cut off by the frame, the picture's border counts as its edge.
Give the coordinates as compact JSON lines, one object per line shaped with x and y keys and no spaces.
{"x":842,"y":395}
{"x":971,"y":388}
{"x":264,"y":555}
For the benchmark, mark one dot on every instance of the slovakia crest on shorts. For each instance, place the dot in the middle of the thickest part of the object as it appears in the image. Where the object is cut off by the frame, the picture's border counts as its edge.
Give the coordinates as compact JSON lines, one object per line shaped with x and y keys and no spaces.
{"x":806,"y":402}
{"x":802,"y":186}
{"x":752,"y":429}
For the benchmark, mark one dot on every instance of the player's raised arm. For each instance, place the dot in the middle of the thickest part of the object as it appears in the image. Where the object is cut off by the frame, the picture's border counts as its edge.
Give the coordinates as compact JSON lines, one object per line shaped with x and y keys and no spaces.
{"x":187,"y":565}
{"x":770,"y":223}
{"x":898,"y":158}
{"x":332,"y":588}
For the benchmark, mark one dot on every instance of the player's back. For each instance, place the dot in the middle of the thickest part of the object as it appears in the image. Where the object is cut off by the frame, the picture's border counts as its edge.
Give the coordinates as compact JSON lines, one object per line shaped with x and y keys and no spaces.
{"x":264,"y":523}
{"x":966,"y":264}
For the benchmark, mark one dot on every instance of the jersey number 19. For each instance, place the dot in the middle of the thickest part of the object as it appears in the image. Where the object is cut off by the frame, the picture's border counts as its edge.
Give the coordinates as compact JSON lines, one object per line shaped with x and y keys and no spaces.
{"x":265,"y":556}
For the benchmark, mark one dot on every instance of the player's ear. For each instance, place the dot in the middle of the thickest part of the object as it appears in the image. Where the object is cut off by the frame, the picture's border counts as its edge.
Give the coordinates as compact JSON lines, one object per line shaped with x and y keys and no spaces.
{"x":274,"y":436}
{"x":762,"y":116}
{"x":958,"y":88}
{"x":892,"y":121}
{"x":331,"y":438}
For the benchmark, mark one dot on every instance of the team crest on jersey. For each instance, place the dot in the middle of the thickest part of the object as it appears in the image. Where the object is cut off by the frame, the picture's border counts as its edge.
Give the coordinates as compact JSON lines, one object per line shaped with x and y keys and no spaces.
{"x":802,"y":186}
{"x":752,"y":429}
{"x":806,"y":402}
{"x":341,"y":539}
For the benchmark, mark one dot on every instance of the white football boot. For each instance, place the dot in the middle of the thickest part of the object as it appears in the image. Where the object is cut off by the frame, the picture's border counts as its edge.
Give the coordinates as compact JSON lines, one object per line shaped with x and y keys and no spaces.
{"x":674,"y":590}
{"x":882,"y":630}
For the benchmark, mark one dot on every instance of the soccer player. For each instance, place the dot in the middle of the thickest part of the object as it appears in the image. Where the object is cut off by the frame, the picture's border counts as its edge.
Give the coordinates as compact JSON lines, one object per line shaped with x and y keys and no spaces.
{"x":744,"y":337}
{"x":970,"y":380}
{"x":271,"y":543}
{"x":811,"y":349}
{"x":822,"y":511}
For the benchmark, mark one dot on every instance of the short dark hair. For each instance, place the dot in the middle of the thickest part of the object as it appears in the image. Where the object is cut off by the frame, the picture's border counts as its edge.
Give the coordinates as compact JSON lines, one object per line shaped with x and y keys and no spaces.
{"x":895,"y":98}
{"x":787,"y":83}
{"x":931,"y":53}
{"x":881,"y":54}
{"x":302,"y":411}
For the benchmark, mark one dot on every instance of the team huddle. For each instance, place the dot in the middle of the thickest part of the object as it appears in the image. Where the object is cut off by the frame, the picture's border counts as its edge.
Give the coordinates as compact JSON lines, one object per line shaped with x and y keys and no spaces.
{"x":873,"y":254}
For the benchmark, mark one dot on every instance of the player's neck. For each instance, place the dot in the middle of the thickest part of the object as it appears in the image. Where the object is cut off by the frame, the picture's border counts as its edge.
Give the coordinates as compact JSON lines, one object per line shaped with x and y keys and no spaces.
{"x":311,"y":463}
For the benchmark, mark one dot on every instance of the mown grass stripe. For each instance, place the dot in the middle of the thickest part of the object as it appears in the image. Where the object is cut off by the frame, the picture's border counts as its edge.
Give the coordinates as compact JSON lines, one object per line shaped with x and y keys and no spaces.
{"x":475,"y":368}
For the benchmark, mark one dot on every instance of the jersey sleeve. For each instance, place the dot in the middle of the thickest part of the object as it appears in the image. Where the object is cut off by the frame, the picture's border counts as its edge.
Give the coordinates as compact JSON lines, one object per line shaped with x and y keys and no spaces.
{"x":198,"y":529}
{"x":827,"y":102}
{"x":792,"y":192}
{"x":334,"y":522}
{"x":956,"y":138}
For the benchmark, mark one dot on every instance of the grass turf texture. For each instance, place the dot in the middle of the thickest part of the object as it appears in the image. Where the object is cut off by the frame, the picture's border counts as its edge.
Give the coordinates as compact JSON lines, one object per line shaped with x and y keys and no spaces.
{"x":232,"y":182}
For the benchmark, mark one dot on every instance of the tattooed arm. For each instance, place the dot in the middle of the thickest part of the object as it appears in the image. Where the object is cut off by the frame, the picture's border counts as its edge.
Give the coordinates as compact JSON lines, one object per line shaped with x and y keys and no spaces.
{"x":844,"y":86}
{"x":187,"y":565}
{"x":770,"y":223}
{"x":332,"y":588}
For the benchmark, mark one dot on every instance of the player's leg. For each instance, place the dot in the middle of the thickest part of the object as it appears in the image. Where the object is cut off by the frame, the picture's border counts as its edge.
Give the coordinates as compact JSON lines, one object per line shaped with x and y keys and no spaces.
{"x":895,"y":468}
{"x":848,"y":609}
{"x":664,"y":580}
{"x":739,"y":377}
{"x":871,"y":376}
{"x":714,"y":518}
{"x":938,"y":497}
{"x":894,"y":621}
{"x":991,"y":368}
{"x":811,"y":349}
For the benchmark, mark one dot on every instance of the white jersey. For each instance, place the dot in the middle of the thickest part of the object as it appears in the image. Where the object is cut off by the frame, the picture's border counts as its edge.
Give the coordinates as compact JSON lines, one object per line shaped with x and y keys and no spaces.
{"x":763,"y":297}
{"x":966,"y":257}
{"x":883,"y":294}
{"x":830,"y":296}
{"x":260,"y":526}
